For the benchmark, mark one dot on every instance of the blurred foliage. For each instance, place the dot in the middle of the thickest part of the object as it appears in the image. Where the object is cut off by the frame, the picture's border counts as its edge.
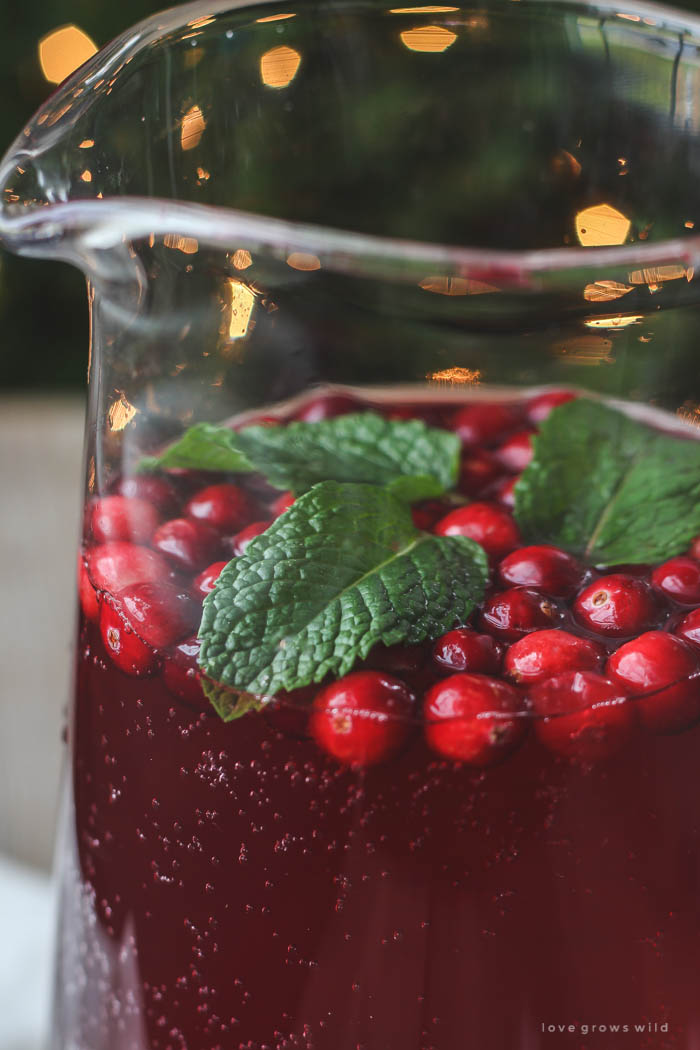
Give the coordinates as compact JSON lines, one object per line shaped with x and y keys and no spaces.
{"x":43,"y":305}
{"x":43,"y":311}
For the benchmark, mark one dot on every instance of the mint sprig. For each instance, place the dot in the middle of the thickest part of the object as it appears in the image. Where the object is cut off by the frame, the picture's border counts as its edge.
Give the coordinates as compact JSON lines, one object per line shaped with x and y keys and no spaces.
{"x":415,"y":460}
{"x":608,"y":488}
{"x":343,"y":569}
{"x":205,"y":446}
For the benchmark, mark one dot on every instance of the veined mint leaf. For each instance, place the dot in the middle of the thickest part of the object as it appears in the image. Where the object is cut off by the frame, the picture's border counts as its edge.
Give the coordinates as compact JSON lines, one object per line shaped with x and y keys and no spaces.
{"x":228,"y":703}
{"x":362,"y":447}
{"x":204,"y":446}
{"x":342,"y":569}
{"x":417,"y":461}
{"x":609,"y":488}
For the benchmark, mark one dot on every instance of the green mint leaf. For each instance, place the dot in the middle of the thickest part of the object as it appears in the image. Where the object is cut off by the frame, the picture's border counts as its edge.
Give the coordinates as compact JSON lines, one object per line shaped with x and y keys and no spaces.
{"x":360,"y":447}
{"x":202,"y":447}
{"x":228,"y":703}
{"x":609,"y":488}
{"x":415,"y":460}
{"x":342,"y":569}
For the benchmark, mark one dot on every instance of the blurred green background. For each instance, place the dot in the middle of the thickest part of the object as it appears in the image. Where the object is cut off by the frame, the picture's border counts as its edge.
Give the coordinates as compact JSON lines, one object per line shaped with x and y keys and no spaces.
{"x":43,"y":311}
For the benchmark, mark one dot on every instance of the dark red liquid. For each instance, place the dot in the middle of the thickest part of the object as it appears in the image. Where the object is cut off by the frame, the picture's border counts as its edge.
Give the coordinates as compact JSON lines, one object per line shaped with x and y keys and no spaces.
{"x":235,"y":888}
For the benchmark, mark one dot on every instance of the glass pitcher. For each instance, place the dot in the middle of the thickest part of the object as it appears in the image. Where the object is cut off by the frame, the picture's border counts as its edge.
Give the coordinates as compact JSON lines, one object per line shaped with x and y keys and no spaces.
{"x":385,"y":731}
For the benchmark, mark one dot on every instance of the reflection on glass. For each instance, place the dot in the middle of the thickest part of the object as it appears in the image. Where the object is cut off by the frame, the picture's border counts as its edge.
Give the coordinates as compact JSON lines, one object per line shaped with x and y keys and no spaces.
{"x":303,"y":261}
{"x":192,"y":128}
{"x":428,"y":38}
{"x":602,"y":225}
{"x":279,"y":66}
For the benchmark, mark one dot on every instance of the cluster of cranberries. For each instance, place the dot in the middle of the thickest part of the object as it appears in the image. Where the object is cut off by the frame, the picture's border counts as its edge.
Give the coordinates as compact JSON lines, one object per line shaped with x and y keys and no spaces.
{"x":581,"y":657}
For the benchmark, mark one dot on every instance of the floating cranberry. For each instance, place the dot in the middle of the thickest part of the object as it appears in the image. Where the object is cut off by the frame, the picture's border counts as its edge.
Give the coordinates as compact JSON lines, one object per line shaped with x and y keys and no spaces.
{"x":484,"y":423}
{"x":206,"y":581}
{"x":664,"y":673}
{"x":282,"y":503}
{"x":118,"y":518}
{"x":86,"y":592}
{"x":426,"y":514}
{"x":225,"y":508}
{"x":486,"y":523}
{"x":188,"y":544}
{"x":545,"y":653}
{"x":540,"y":407}
{"x":582,"y":715}
{"x":362,"y":719}
{"x":156,"y":491}
{"x":547,"y":569}
{"x":159,"y":613}
{"x":478,"y":469}
{"x":515,"y":453}
{"x":617,"y":606}
{"x":112,"y":566}
{"x":679,"y":579}
{"x":327,"y":407}
{"x":516,"y":612}
{"x":243,"y":538}
{"x":504,"y":492}
{"x":472,"y":718}
{"x":689,"y":627}
{"x":126,"y":649}
{"x":181,"y":672}
{"x":465,"y":650}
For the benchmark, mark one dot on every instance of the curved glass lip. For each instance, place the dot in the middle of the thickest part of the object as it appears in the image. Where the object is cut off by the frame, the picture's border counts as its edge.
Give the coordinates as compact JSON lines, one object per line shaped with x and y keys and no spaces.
{"x":89,"y":225}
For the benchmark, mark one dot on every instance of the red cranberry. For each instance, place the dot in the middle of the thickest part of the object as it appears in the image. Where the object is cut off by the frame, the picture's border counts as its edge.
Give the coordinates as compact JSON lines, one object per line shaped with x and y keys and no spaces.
{"x":486,"y":523}
{"x":282,"y":503}
{"x":206,"y":581}
{"x":582,"y":715}
{"x":159,"y":613}
{"x":478,"y":469}
{"x":188,"y":544}
{"x":225,"y":508}
{"x":243,"y":538}
{"x":516,"y":612}
{"x":118,"y":518}
{"x":679,"y":579}
{"x":473,"y":718}
{"x":482,"y":423}
{"x":156,"y":491}
{"x":547,"y":569}
{"x":540,"y":407}
{"x":181,"y":673}
{"x":689,"y":627}
{"x":504,"y":492}
{"x":545,"y":653}
{"x":426,"y":514}
{"x":112,"y":566}
{"x":363,"y":718}
{"x":466,"y":650}
{"x":127,"y":650}
{"x":658,"y":668}
{"x":616,"y":606}
{"x":86,"y":593}
{"x":327,"y":407}
{"x":515,"y":453}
